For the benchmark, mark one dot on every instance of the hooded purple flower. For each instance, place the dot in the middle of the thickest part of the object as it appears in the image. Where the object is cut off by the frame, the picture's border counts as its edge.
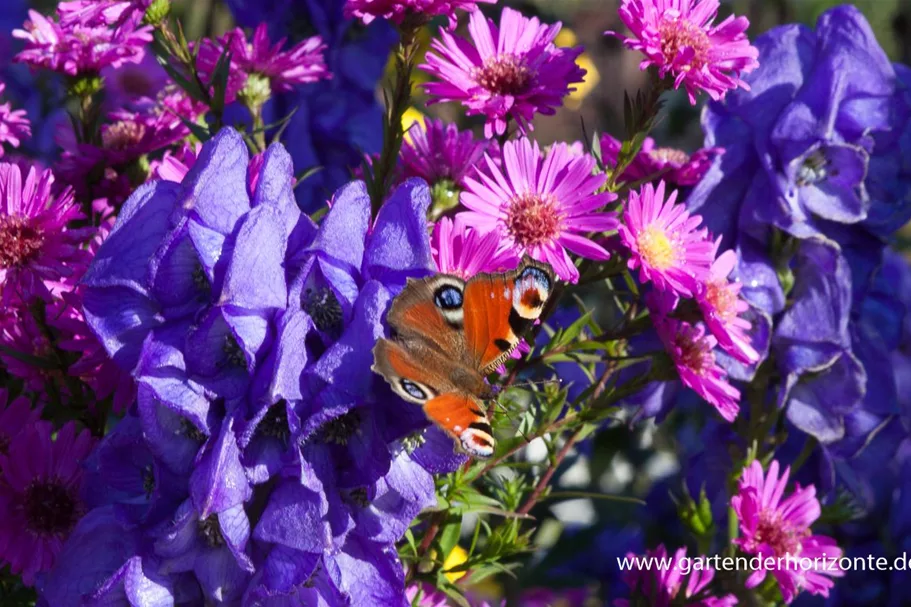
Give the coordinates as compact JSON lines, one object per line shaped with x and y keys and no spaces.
{"x":249,"y":331}
{"x":798,"y":144}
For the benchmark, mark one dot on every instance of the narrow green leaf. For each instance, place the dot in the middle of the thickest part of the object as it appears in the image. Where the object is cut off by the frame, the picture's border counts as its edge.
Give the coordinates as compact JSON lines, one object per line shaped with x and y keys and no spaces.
{"x":570,"y":495}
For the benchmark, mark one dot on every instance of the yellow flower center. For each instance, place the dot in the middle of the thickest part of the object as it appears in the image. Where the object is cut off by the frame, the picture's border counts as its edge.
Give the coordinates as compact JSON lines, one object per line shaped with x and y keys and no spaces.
{"x":656,"y":248}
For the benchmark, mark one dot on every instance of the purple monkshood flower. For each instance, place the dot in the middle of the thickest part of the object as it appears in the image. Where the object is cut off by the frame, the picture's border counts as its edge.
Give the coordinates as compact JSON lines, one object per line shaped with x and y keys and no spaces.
{"x":511,"y":71}
{"x":258,"y":67}
{"x":772,"y":525}
{"x":397,"y":10}
{"x":249,"y":331}
{"x":674,"y":167}
{"x":14,"y":124}
{"x":437,"y":151}
{"x":797,"y":150}
{"x":77,"y":49}
{"x":680,"y":39}
{"x":40,"y":495}
{"x":38,"y":248}
{"x":659,"y":580}
{"x":542,"y":205}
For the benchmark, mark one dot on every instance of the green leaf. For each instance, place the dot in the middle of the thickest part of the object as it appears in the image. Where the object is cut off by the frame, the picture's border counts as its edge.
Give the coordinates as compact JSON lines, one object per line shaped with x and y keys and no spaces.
{"x":568,"y":335}
{"x":449,"y":536}
{"x":28,"y":359}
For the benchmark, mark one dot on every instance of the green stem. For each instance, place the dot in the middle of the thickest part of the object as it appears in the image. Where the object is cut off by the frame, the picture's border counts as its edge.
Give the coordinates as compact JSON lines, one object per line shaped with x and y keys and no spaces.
{"x":397,"y":101}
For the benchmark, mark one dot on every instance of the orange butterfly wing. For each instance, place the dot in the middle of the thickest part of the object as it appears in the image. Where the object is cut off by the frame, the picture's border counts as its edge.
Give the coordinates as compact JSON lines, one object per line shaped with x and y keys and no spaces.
{"x":499,"y":308}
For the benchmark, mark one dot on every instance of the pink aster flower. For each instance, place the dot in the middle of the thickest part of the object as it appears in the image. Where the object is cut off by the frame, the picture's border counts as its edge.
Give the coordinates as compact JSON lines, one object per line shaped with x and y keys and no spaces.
{"x":102,"y":12}
{"x":774,"y":526}
{"x":541,"y":205}
{"x":262,"y":67}
{"x":37,"y":248}
{"x":40,"y":499}
{"x":510,"y":71}
{"x":75,"y":48}
{"x":14,"y":124}
{"x":133,"y":84}
{"x":691,"y":350}
{"x":15,"y":416}
{"x":397,"y":10}
{"x":721,"y":305}
{"x":677,"y":36}
{"x":175,"y":165}
{"x":463,"y":251}
{"x":664,"y":241}
{"x":676,"y":584}
{"x":429,"y":596}
{"x":436,"y":151}
{"x":653,"y":163}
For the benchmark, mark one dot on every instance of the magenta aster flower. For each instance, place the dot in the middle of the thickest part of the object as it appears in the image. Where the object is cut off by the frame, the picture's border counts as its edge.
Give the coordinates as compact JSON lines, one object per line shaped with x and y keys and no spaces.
{"x":14,"y":125}
{"x":15,"y":416}
{"x":511,"y":71}
{"x":774,"y":526}
{"x":541,"y":205}
{"x":40,"y":499}
{"x":36,"y":246}
{"x":662,"y":587}
{"x":74,"y":48}
{"x":691,"y":349}
{"x":653,"y":163}
{"x":664,"y":241}
{"x":257,"y":67}
{"x":677,"y":37}
{"x":102,"y":12}
{"x":397,"y":10}
{"x":721,"y":305}
{"x":438,"y":151}
{"x":463,"y":251}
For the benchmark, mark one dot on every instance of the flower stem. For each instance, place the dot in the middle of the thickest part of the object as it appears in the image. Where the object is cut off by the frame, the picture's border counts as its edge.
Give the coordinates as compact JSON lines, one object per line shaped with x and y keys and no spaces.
{"x":397,"y":101}
{"x":545,"y":479}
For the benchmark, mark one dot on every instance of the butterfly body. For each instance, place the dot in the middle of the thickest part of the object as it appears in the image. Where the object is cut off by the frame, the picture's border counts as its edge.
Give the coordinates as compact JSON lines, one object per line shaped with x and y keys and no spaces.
{"x":448,"y":334}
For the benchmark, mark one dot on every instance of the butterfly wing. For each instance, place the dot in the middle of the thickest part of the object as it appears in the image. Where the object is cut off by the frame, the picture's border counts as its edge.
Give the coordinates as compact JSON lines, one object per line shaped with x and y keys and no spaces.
{"x":408,"y":367}
{"x":431,"y":310}
{"x":499,"y":308}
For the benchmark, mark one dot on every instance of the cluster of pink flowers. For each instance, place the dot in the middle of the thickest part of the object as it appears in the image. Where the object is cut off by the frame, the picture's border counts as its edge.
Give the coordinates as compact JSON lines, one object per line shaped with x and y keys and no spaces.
{"x":82,"y":42}
{"x":14,"y":125}
{"x":679,"y":38}
{"x":261,"y":67}
{"x":679,"y":259}
{"x":776,"y":527}
{"x":508,"y":72}
{"x":397,"y":10}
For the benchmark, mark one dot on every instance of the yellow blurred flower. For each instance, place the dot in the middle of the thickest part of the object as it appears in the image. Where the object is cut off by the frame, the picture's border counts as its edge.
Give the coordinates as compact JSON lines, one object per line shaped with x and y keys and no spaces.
{"x":455,"y":558}
{"x":567,"y":38}
{"x":411,"y":116}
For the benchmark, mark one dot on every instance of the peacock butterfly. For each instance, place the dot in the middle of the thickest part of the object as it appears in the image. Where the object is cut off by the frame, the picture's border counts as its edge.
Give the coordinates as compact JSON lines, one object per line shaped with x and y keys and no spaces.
{"x":448,"y":334}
